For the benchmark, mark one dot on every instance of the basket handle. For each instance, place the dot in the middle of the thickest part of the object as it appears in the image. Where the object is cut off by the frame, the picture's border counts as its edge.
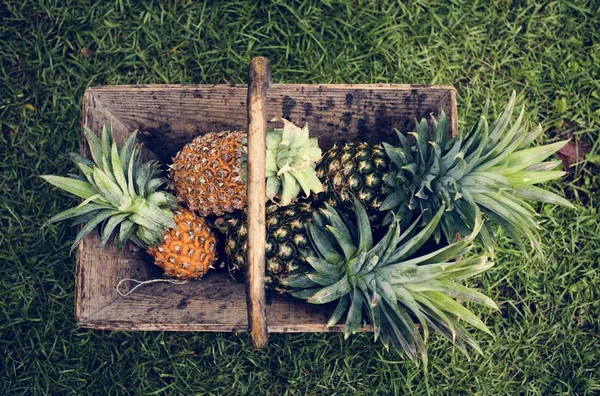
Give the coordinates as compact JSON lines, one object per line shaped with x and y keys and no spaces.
{"x":259,"y":80}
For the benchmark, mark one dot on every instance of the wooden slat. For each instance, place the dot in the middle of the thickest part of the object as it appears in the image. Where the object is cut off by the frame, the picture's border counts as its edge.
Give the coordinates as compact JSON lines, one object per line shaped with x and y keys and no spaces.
{"x":170,"y":117}
{"x":214,"y":303}
{"x":358,"y":112}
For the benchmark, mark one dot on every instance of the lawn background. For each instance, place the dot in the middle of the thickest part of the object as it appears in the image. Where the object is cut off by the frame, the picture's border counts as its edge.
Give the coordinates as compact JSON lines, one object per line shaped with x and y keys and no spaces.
{"x":547,"y":333}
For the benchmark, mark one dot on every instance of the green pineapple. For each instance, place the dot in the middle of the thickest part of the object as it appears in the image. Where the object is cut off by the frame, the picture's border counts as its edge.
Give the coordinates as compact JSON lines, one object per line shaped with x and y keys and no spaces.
{"x":286,"y":239}
{"x":388,"y":285}
{"x":490,"y":168}
{"x":356,"y":169}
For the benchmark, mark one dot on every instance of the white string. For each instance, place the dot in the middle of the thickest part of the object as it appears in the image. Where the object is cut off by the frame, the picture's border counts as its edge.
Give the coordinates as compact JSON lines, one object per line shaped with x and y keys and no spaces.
{"x":142,"y":283}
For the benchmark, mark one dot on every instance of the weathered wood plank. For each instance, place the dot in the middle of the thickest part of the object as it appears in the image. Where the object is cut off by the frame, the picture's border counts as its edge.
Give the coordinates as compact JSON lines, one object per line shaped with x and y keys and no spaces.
{"x":171,"y":117}
{"x":357,"y":112}
{"x":214,"y":303}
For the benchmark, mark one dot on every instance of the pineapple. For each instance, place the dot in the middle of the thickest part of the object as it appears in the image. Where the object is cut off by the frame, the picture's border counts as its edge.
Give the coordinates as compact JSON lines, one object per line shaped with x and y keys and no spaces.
{"x":120,"y":194}
{"x":188,"y":251}
{"x":388,"y":285}
{"x":208,"y":174}
{"x":286,"y":238}
{"x":492,"y":169}
{"x":355,"y":169}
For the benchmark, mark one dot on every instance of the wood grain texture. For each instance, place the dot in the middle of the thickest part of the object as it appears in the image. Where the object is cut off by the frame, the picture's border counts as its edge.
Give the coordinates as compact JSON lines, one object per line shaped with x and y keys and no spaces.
{"x":359,"y":112}
{"x":259,"y":79}
{"x":169,"y":116}
{"x":214,"y":303}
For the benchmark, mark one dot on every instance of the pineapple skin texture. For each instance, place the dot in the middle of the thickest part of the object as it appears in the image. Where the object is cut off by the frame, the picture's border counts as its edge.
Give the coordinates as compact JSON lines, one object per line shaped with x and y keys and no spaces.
{"x":187,"y":251}
{"x":206,"y":175}
{"x":286,"y":238}
{"x":355,"y":169}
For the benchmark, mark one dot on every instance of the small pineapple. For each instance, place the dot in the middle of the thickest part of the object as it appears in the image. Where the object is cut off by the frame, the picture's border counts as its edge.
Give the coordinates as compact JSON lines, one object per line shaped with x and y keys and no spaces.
{"x":388,"y":285}
{"x":208,"y":174}
{"x":492,"y":169}
{"x":120,"y":194}
{"x":188,"y":251}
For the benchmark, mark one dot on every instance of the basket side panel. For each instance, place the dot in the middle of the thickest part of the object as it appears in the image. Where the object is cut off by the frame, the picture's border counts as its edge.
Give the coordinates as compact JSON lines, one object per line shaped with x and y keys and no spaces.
{"x":356,"y":113}
{"x":98,"y":271}
{"x":214,"y":303}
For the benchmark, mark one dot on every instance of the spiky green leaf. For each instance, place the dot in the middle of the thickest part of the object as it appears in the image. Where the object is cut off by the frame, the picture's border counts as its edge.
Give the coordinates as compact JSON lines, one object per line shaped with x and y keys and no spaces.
{"x":353,"y":318}
{"x":110,"y":226}
{"x":323,"y":266}
{"x":107,"y":187}
{"x":91,"y":224}
{"x":533,"y":193}
{"x":322,"y":244}
{"x":331,"y":293}
{"x":127,"y":150}
{"x":125,"y":231}
{"x":117,"y":167}
{"x":95,"y":146}
{"x":418,"y":240}
{"x":340,"y":310}
{"x":76,"y":212}
{"x":299,"y":281}
{"x":78,"y":188}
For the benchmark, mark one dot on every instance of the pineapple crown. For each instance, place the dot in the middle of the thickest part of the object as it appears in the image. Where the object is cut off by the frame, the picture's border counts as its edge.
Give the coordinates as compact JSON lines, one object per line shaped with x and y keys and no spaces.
{"x":117,"y":193}
{"x":390,"y":283}
{"x":290,"y":162}
{"x":491,"y":168}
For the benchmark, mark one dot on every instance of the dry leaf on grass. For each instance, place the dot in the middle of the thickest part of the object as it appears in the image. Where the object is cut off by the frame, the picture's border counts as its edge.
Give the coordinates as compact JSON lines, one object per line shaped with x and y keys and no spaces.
{"x":573,"y":153}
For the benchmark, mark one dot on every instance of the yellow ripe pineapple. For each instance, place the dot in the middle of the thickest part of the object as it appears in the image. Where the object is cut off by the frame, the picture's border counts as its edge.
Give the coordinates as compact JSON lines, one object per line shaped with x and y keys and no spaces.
{"x":189,"y":250}
{"x":120,"y":195}
{"x":209,"y":174}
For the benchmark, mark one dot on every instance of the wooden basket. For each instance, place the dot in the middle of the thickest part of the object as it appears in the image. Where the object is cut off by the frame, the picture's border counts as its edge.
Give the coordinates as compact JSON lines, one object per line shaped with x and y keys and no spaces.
{"x":169,"y":116}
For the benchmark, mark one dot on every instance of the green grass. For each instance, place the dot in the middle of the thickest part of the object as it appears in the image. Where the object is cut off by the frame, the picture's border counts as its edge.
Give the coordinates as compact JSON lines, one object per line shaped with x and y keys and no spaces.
{"x":548,"y":331}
